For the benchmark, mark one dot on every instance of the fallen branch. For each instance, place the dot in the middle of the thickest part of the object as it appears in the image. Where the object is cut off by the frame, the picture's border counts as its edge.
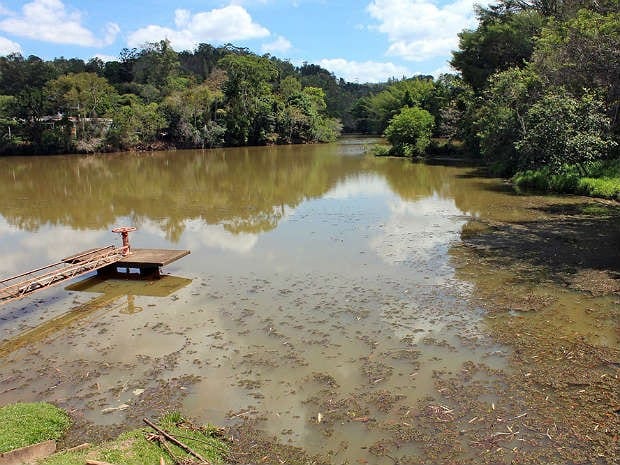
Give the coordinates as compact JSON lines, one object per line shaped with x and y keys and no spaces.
{"x":96,"y":462}
{"x":174,"y":440}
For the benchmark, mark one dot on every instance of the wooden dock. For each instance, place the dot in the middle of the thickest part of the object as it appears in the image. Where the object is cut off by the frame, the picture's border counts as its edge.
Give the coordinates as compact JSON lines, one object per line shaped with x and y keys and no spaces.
{"x":109,"y":262}
{"x":142,"y":263}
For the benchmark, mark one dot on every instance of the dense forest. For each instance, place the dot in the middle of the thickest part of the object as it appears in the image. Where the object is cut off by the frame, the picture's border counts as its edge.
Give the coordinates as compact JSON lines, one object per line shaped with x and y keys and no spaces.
{"x":536,"y":91}
{"x":154,"y":97}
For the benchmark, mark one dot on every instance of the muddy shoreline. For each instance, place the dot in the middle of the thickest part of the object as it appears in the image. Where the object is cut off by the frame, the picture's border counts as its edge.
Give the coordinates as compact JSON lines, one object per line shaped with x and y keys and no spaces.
{"x":557,"y":401}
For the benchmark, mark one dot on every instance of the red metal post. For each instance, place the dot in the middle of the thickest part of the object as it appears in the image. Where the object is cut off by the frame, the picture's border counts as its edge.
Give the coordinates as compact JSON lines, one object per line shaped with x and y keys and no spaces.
{"x":124,"y":232}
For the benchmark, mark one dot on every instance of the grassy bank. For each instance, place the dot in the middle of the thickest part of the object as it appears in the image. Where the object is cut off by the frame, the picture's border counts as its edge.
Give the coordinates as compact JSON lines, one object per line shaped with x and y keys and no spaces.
{"x":144,"y":446}
{"x":603,"y":180}
{"x":24,"y":424}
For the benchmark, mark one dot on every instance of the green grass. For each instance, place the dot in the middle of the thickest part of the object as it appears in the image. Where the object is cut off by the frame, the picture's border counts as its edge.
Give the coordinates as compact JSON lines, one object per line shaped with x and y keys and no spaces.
{"x":133,"y":448}
{"x":24,"y":424}
{"x":603,"y":180}
{"x":600,"y":187}
{"x":381,"y":150}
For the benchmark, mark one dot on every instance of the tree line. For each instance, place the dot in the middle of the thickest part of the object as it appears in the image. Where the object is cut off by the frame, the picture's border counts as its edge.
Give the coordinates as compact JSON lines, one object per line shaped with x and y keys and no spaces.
{"x":154,"y":97}
{"x":537,"y":88}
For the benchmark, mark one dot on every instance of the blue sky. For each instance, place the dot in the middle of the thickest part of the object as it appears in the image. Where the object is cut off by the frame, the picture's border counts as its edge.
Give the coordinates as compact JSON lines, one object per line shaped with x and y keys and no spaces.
{"x":359,"y":40}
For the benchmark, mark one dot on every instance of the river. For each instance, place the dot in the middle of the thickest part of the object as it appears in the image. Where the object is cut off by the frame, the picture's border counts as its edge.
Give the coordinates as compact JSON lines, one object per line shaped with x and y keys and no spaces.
{"x":364,"y":309}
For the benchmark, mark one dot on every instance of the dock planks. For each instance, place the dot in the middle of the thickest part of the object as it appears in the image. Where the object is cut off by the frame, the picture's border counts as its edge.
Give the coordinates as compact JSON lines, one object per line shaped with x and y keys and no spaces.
{"x":142,"y":263}
{"x":151,"y":257}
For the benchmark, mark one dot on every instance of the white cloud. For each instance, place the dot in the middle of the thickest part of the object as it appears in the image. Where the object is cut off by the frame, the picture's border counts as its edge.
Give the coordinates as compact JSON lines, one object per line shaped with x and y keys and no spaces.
{"x":50,"y":21}
{"x":420,"y":29}
{"x":105,"y":58}
{"x":280,"y":45}
{"x":220,"y":25}
{"x":8,"y":46}
{"x":367,"y":71}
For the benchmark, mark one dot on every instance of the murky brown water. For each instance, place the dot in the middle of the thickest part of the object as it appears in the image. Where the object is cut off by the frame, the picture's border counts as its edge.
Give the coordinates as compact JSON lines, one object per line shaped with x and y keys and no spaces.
{"x":326,"y":291}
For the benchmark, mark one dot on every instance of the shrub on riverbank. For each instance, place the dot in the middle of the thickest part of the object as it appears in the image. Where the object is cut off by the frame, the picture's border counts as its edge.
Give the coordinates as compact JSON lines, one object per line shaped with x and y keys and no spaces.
{"x":24,"y":424}
{"x":603,"y":180}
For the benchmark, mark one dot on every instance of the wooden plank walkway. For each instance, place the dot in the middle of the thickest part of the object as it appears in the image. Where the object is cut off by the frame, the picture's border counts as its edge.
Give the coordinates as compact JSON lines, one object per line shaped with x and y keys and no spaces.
{"x":17,"y":287}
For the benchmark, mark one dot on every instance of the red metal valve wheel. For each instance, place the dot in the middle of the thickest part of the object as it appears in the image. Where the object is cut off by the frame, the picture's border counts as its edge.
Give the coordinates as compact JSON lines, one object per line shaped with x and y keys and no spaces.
{"x":124,"y":232}
{"x":124,"y":229}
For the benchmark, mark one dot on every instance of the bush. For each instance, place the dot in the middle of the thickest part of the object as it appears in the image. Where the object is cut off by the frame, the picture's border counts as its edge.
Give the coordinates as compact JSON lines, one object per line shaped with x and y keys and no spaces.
{"x":603,"y":182}
{"x":410,"y":131}
{"x":381,"y":151}
{"x":600,"y":187}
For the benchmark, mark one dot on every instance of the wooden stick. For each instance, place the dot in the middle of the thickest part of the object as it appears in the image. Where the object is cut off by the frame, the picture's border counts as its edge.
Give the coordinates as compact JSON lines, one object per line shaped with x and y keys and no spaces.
{"x":174,"y":440}
{"x":86,"y":445}
{"x":96,"y":462}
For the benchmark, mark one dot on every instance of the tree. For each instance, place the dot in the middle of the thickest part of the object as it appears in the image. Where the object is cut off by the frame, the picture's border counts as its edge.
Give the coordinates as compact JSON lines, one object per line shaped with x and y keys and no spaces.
{"x":583,"y":53}
{"x":250,"y":100}
{"x":155,"y":64}
{"x":135,"y":125}
{"x":289,"y":87}
{"x":562,"y":131}
{"x":410,"y":131}
{"x":382,"y":107}
{"x":191,"y":113}
{"x":505,"y":38}
{"x":500,"y":119}
{"x":84,"y":95}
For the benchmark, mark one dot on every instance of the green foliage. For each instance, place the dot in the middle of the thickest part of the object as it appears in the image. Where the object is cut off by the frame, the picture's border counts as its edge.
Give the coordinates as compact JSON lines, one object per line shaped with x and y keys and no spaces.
{"x":135,"y":125}
{"x":191,"y":113}
{"x":85,"y":95}
{"x":499,"y":119}
{"x":603,"y":182}
{"x":450,"y":104}
{"x":156,"y":64}
{"x":210,"y":97}
{"x":561,"y":130}
{"x":504,"y":38}
{"x":133,"y":448}
{"x":557,"y":109}
{"x":381,"y":150}
{"x":600,"y":187}
{"x":583,"y":53}
{"x":380,"y":108}
{"x":24,"y":424}
{"x":544,"y":180}
{"x":410,"y":131}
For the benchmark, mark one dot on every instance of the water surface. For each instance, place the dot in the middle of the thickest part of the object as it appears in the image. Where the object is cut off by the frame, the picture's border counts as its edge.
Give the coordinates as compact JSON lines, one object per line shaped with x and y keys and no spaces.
{"x":321,"y":281}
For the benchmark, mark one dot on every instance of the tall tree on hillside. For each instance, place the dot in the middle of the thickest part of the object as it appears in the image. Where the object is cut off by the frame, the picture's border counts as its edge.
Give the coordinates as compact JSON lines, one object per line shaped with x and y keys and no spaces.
{"x":156,"y":63}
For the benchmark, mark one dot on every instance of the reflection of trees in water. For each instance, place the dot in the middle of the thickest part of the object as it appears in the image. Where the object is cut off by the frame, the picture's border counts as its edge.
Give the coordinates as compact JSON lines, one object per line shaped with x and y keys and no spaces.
{"x":246,"y":190}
